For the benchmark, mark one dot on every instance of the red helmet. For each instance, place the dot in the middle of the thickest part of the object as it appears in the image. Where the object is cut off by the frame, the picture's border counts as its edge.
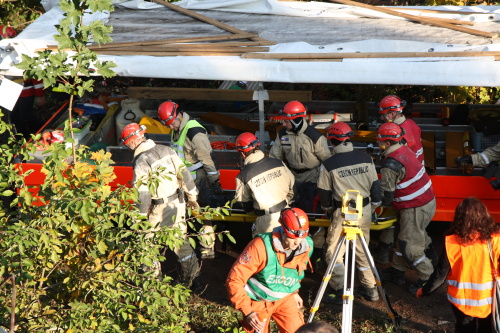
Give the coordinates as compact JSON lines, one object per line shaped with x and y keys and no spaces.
{"x":391,"y":103}
{"x":6,"y":32}
{"x":167,"y":111}
{"x":246,"y":142}
{"x":132,"y":131}
{"x":390,"y":131}
{"x":339,"y":131}
{"x":295,"y":222}
{"x":292,"y":110}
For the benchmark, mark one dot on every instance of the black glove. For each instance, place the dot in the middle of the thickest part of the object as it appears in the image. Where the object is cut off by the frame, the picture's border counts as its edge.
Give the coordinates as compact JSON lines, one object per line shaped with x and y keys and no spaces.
{"x":495,"y":184}
{"x":463,"y":160}
{"x":217,"y":188}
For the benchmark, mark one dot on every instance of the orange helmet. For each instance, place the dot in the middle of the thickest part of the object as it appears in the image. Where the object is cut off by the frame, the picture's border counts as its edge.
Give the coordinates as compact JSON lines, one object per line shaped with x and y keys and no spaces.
{"x":167,"y":111}
{"x":390,"y":131}
{"x":246,"y":142}
{"x":292,"y":110}
{"x":6,"y":32}
{"x":391,"y":103}
{"x":339,"y":131}
{"x":132,"y":131}
{"x":295,"y":222}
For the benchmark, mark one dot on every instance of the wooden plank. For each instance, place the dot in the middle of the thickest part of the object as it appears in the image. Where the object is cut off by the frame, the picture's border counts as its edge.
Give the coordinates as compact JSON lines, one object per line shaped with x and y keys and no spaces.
{"x":204,"y":18}
{"x":416,"y":18}
{"x":170,"y":54}
{"x":370,"y":55}
{"x":214,"y":94}
{"x":188,"y":48}
{"x":429,"y":145}
{"x":235,"y":123}
{"x":174,"y":40}
{"x":454,"y":148}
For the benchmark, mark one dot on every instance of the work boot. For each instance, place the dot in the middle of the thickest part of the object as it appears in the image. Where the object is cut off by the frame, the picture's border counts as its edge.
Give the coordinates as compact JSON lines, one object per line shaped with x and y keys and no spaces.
{"x":334,"y":297}
{"x":207,"y":253}
{"x":197,"y":287}
{"x":381,"y":253}
{"x":431,"y":254}
{"x":393,"y":275}
{"x":370,"y":294}
{"x":414,"y":287}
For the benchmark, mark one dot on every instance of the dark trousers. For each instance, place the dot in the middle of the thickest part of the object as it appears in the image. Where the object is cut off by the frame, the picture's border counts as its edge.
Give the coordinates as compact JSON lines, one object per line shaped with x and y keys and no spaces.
{"x":468,"y":324}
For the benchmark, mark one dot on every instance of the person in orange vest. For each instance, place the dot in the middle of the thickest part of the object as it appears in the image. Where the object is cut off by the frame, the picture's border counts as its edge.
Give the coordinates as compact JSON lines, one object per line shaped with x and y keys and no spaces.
{"x":466,"y":265}
{"x":264,"y":281}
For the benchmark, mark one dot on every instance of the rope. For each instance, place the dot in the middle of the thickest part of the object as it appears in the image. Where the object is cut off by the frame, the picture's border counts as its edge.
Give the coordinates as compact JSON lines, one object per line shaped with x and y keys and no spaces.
{"x":223,"y":145}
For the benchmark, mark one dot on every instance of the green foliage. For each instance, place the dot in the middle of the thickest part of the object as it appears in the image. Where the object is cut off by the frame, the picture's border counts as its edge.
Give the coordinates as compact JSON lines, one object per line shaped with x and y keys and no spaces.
{"x":70,"y":72}
{"x":78,"y":258}
{"x":18,"y":14}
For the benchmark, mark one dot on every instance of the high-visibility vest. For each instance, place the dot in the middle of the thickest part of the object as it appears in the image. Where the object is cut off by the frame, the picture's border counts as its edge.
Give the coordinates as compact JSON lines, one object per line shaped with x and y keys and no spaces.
{"x":470,"y":281}
{"x":178,"y":146}
{"x":275,"y":282}
{"x":415,"y":189}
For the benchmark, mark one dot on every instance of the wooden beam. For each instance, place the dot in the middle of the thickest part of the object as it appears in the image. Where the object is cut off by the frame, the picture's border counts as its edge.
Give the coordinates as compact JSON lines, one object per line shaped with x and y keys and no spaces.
{"x":214,"y":94}
{"x":204,"y":18}
{"x":174,"y":40}
{"x":235,"y":123}
{"x":189,"y":48}
{"x":172,"y":54}
{"x":370,"y":55}
{"x":416,"y":18}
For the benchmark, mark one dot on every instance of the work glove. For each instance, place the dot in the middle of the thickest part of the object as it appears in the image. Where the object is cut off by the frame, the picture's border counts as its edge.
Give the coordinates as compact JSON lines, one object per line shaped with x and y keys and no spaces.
{"x":193,"y":205}
{"x":495,"y":184}
{"x":419,"y":294}
{"x":464,"y":160}
{"x":217,"y":188}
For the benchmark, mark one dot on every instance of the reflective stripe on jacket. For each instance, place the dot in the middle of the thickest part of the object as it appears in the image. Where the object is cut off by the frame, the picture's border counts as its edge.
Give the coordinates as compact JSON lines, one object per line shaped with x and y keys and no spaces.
{"x":414,"y":137}
{"x":415,"y":189}
{"x":470,"y":281}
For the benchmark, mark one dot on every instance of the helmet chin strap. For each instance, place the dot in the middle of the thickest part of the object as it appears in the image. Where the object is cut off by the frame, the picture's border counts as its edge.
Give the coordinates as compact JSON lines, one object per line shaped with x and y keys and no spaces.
{"x":297,"y":123}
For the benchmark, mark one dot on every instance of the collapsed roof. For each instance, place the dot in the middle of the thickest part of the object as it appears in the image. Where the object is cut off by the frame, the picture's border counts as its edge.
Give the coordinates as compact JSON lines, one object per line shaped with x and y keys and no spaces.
{"x":278,"y":41}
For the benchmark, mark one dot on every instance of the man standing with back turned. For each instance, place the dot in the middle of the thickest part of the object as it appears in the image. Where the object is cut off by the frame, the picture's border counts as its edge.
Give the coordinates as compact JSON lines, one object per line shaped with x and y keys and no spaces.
{"x":264,"y":185}
{"x":166,"y":207}
{"x":348,"y":169}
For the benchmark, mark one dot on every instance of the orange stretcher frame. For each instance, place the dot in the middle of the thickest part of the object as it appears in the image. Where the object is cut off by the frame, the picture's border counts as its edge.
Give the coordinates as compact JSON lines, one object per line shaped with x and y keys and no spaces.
{"x":449,"y":190}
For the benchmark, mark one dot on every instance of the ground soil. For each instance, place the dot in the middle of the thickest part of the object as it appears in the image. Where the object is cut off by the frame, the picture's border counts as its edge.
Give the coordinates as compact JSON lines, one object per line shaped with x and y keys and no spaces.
{"x":430,"y":314}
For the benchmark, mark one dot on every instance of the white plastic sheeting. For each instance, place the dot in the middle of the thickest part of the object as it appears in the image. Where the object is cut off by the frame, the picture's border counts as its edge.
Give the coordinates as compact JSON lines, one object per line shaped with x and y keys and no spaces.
{"x":484,"y":71}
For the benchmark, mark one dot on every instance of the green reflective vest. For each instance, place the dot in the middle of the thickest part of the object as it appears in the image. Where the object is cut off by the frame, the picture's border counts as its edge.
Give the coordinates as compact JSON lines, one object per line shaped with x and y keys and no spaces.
{"x":275,"y":282}
{"x":178,"y":146}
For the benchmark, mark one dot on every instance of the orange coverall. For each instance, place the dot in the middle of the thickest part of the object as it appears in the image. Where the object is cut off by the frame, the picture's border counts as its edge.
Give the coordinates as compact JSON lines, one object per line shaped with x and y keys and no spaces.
{"x":252,"y":260}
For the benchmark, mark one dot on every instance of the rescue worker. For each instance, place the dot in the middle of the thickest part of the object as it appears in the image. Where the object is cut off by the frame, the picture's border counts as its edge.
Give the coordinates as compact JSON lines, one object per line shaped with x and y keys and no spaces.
{"x":348,"y":169}
{"x":483,"y":159}
{"x":303,"y":148}
{"x":466,"y":265}
{"x":166,"y":207}
{"x":31,"y":97}
{"x":190,"y":141}
{"x":406,"y":186}
{"x":264,"y":282}
{"x":391,"y":110}
{"x":264,"y":185}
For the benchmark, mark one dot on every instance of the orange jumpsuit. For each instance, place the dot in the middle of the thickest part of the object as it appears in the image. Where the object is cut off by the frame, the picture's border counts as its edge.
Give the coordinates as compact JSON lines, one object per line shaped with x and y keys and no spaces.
{"x":253,"y":259}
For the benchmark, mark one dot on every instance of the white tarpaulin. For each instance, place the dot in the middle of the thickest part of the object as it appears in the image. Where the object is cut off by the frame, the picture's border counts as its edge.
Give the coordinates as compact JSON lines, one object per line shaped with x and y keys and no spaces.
{"x":453,"y":71}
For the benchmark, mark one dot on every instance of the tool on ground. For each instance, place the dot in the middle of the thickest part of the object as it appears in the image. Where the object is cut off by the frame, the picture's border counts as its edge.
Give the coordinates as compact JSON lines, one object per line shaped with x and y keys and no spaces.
{"x":352,"y":208}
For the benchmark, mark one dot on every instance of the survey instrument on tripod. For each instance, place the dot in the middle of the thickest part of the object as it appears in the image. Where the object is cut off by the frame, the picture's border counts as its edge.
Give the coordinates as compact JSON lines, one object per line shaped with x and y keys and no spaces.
{"x":352,"y":210}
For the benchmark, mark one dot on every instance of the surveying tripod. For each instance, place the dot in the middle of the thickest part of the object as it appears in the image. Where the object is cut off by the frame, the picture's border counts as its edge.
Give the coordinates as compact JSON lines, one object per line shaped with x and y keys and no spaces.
{"x":352,"y":210}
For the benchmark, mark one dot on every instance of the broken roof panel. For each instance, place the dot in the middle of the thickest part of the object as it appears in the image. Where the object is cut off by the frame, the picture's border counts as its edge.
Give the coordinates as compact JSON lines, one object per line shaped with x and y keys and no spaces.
{"x":310,"y":33}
